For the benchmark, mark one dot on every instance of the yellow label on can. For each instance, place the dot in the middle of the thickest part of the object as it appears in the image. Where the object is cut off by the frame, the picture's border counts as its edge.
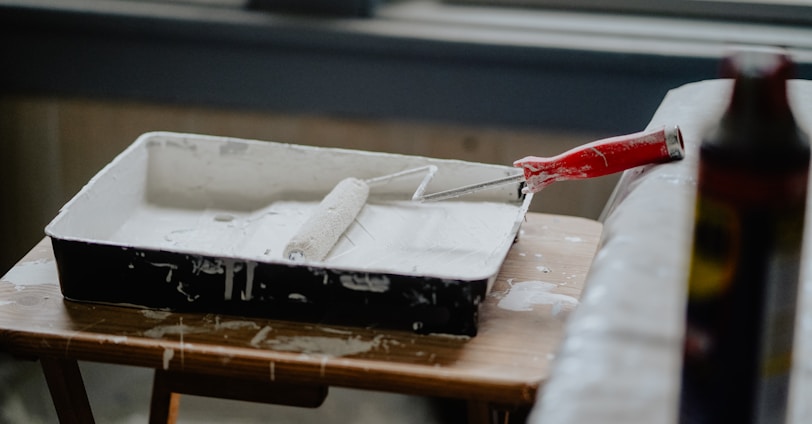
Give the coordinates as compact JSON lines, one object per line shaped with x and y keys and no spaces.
{"x":716,"y":248}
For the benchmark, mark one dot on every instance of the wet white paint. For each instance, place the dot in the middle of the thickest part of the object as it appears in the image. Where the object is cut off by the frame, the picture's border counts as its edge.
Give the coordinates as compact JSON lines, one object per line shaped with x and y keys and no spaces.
{"x":330,"y":346}
{"x":175,"y":329}
{"x":182,"y":290}
{"x":229,"y":285}
{"x":156,"y":315}
{"x":260,"y":336}
{"x":234,"y":325}
{"x":461,"y":337}
{"x":32,"y":273}
{"x":444,"y":239}
{"x":523,"y":296}
{"x":297,"y":297}
{"x":365,"y":283}
{"x":323,"y":365}
{"x":207,"y":266}
{"x":249,"y":280}
{"x":170,"y":267}
{"x":168,"y":355}
{"x":334,"y":330}
{"x":228,"y":268}
{"x":184,"y":193}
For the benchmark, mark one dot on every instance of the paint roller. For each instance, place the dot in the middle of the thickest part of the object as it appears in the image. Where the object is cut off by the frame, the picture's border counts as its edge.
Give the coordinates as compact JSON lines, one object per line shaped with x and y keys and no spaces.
{"x":334,"y":214}
{"x":596,"y":159}
{"x":339,"y":208}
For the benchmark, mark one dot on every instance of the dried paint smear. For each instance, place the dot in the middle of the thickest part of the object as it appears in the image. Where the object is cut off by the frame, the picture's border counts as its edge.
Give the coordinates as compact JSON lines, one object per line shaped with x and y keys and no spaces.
{"x":523,"y":296}
{"x":40,"y":271}
{"x":330,"y":346}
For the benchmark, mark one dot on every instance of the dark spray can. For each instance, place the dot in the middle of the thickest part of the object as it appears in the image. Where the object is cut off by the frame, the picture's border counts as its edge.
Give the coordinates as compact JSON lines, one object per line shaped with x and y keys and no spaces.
{"x":746,"y":252}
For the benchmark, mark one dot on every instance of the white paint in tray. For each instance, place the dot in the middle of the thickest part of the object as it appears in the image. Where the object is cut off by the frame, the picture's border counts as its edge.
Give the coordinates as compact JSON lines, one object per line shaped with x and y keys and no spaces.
{"x":244,"y":200}
{"x":446,"y":238}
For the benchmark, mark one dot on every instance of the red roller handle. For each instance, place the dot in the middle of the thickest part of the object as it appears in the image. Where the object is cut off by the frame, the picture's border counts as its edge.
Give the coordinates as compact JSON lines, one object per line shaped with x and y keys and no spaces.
{"x":603,"y":157}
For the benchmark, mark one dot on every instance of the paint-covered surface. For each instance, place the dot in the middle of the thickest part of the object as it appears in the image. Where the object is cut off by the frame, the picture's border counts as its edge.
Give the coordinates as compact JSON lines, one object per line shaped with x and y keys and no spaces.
{"x":200,"y":223}
{"x":504,"y":364}
{"x":525,"y":295}
{"x":620,"y":361}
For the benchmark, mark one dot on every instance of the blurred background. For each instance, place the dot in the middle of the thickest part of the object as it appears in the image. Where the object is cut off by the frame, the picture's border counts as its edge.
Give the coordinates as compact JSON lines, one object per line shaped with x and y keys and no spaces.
{"x":478,"y":80}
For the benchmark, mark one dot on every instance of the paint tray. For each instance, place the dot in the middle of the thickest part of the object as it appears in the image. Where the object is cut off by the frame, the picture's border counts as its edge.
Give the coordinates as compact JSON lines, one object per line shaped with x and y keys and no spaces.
{"x":194,"y":223}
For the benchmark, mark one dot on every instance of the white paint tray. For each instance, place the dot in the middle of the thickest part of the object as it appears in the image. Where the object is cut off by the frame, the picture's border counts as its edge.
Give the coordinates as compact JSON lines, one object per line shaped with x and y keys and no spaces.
{"x":188,"y":222}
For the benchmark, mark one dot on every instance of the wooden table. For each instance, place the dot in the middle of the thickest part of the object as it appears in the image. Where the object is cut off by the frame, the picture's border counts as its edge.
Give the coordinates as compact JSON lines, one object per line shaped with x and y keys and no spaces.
{"x":498,"y":372}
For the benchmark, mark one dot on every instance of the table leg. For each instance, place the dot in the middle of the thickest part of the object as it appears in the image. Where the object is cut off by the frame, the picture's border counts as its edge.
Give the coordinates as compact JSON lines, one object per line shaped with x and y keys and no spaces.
{"x":67,"y":390}
{"x":165,"y":404}
{"x":482,"y":412}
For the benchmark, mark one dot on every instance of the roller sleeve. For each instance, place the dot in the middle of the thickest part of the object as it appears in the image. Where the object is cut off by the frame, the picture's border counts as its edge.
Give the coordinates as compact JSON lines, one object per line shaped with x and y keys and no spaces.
{"x":332,"y":217}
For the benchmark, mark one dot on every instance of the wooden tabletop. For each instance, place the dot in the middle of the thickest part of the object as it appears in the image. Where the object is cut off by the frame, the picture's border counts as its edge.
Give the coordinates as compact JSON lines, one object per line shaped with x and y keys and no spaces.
{"x":521,"y":327}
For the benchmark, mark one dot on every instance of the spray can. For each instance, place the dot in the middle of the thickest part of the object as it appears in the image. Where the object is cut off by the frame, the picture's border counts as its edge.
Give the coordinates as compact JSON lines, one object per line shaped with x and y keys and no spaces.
{"x":746,"y":253}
